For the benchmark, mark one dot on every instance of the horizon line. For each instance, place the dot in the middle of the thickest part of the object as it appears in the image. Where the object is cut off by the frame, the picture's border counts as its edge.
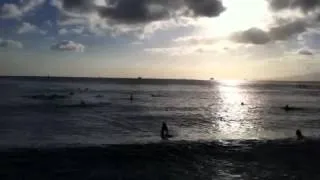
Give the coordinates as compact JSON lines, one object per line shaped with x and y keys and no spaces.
{"x":151,"y":78}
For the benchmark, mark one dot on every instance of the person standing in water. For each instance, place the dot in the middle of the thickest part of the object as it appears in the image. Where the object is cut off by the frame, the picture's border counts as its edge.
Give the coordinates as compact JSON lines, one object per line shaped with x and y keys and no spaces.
{"x":299,"y":135}
{"x":131,"y":97}
{"x":164,"y":131}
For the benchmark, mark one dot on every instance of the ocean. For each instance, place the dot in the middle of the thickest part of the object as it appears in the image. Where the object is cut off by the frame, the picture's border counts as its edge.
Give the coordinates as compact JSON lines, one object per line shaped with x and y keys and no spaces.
{"x":88,"y":128}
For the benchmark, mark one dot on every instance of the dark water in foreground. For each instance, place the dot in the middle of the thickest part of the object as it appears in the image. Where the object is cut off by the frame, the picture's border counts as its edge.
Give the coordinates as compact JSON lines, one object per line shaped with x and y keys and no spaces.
{"x":172,"y":160}
{"x":45,"y":132}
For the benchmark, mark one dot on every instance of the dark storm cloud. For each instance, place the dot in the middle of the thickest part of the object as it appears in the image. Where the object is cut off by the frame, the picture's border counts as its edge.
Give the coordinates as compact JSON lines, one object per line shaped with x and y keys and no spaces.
{"x":251,"y":36}
{"x":303,"y":5}
{"x":306,"y":52}
{"x":277,"y":5}
{"x":284,"y":31}
{"x":140,"y":11}
{"x":132,"y":11}
{"x":209,"y":8}
{"x":281,"y":32}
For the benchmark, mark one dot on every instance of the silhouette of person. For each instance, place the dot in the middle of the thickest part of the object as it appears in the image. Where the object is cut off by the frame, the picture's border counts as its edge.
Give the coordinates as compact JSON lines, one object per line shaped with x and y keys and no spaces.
{"x":286,"y":108}
{"x":164,"y":131}
{"x":131,"y":97}
{"x":299,"y":135}
{"x":82,"y":103}
{"x":242,"y":103}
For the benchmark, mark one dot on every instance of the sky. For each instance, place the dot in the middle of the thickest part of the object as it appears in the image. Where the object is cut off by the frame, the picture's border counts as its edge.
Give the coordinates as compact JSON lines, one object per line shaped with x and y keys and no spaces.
{"x":198,"y":39}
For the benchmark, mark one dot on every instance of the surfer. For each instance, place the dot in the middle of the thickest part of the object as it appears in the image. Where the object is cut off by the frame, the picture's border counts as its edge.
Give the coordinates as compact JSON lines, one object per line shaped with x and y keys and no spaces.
{"x":299,"y":135}
{"x":131,"y":97}
{"x":164,"y":131}
{"x":287,"y":108}
{"x":82,"y":103}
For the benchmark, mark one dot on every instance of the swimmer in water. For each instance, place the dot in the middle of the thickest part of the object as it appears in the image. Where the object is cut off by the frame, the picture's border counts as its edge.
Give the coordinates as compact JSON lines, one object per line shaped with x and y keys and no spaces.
{"x":164,"y":131}
{"x":299,"y":135}
{"x":242,"y":103}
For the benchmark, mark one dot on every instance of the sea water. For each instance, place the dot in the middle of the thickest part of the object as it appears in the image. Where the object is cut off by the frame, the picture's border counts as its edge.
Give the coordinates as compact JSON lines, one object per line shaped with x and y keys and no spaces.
{"x":88,"y":128}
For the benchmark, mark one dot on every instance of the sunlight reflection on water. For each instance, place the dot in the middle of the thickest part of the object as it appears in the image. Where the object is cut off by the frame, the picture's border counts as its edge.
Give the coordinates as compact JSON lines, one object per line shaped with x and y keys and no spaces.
{"x":233,"y":122}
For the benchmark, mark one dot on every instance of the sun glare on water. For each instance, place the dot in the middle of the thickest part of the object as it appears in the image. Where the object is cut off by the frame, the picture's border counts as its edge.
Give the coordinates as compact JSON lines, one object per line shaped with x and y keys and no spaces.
{"x":233,"y":121}
{"x":230,"y":82}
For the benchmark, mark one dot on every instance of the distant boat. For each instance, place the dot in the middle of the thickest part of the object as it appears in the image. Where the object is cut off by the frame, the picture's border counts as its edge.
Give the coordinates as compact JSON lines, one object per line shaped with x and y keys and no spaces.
{"x":139,"y":78}
{"x":211,"y":79}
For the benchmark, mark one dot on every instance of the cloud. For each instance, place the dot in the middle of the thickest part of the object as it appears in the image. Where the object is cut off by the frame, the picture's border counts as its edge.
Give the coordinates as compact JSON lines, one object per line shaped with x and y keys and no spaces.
{"x":173,"y":51}
{"x":197,"y":40}
{"x":143,"y":11}
{"x":208,"y":8}
{"x":303,"y":5}
{"x":277,"y":5}
{"x":30,"y":28}
{"x":184,"y":50}
{"x":62,"y":31}
{"x":76,"y":30}
{"x":280,"y":32}
{"x":306,"y":52}
{"x":10,"y":44}
{"x":68,"y":46}
{"x":286,"y":24}
{"x":251,"y":36}
{"x":75,"y":5}
{"x":140,"y":18}
{"x":309,"y":39}
{"x":8,"y":11}
{"x":284,"y":31}
{"x":134,"y":11}
{"x":94,"y":24}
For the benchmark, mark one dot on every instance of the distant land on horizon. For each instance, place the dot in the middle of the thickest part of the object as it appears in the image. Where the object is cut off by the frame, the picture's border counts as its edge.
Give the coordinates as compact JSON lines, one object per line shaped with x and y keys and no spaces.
{"x":98,"y":77}
{"x":297,"y":78}
{"x":302,"y":77}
